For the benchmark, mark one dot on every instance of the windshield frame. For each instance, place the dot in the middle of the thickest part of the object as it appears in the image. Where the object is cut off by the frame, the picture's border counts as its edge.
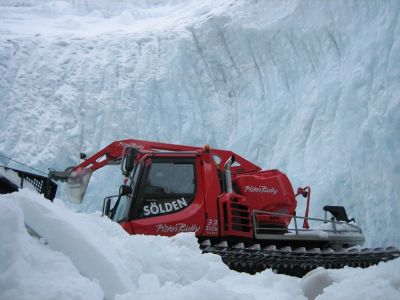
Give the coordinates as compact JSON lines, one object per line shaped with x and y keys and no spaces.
{"x":124,"y":204}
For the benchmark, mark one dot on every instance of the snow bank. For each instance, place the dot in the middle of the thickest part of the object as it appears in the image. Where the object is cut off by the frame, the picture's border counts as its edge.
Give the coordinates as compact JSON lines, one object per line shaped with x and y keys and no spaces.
{"x":308,"y":87}
{"x":126,"y":267}
{"x":82,"y":256}
{"x":88,"y":248}
{"x":31,"y":270}
{"x":376,"y":282}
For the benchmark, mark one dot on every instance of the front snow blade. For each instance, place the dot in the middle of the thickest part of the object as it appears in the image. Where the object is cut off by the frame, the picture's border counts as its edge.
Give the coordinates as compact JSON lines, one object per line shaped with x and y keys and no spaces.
{"x":77,"y":185}
{"x":77,"y":182}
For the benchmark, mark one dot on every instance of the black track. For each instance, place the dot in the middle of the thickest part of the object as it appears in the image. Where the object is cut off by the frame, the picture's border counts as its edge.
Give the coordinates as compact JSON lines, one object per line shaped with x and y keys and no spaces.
{"x":298,"y":262}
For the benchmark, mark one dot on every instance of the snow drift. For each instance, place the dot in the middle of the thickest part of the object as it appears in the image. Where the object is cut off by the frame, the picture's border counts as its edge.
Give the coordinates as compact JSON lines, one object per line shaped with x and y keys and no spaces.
{"x":31,"y":270}
{"x":311,"y":88}
{"x":85,"y":256}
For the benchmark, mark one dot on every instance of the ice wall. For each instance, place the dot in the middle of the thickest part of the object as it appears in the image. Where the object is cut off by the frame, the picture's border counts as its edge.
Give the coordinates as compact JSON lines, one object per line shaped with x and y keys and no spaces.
{"x":308,"y":87}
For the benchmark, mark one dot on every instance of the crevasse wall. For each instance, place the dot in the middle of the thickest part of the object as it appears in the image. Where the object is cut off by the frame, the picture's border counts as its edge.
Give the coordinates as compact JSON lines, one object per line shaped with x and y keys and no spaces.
{"x":309,"y":87}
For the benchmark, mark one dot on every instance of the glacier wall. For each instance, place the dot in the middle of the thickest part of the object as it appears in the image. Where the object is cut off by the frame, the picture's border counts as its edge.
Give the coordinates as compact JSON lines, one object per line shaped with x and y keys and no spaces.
{"x":310,"y":88}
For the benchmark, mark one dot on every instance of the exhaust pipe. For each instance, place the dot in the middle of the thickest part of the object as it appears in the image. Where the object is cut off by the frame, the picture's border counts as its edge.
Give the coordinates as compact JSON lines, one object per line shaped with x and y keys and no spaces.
{"x":228,"y":174}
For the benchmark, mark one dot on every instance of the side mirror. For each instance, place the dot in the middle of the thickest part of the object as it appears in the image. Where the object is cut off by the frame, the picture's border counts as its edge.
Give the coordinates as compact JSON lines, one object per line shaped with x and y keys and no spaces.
{"x":106,"y":207}
{"x":125,"y":190}
{"x":128,"y":161}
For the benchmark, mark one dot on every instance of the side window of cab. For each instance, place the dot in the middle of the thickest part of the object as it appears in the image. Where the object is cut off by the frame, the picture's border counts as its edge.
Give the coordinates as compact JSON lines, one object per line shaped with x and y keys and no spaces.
{"x":170,"y":186}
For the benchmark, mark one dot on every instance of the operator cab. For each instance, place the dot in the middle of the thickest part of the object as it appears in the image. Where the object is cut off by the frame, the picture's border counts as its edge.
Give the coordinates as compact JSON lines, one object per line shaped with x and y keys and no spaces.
{"x":158,"y":185}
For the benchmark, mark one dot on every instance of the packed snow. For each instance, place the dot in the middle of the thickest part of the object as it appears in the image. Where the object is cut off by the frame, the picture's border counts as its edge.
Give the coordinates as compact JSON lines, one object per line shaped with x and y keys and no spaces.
{"x":308,"y":87}
{"x":85,"y":256}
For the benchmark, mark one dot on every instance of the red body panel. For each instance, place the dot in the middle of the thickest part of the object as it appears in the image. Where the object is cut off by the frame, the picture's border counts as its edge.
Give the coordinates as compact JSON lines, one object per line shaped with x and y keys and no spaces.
{"x":210,"y":183}
{"x":190,"y":219}
{"x":268,"y":191}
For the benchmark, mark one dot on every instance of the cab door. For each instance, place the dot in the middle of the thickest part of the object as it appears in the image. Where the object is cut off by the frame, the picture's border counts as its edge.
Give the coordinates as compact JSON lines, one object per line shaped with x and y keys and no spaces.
{"x":169,"y":200}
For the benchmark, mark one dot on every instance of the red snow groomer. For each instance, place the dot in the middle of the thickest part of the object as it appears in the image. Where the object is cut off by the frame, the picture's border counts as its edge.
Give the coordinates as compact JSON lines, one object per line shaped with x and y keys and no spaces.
{"x":236,"y":210}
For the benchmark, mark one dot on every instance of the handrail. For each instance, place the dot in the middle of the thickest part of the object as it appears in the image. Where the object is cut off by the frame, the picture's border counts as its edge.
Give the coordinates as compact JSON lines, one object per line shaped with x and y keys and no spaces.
{"x":296,"y":229}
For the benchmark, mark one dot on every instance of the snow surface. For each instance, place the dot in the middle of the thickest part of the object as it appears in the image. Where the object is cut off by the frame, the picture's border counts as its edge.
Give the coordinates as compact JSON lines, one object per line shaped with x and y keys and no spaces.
{"x":308,"y":87}
{"x":31,"y":270}
{"x":85,"y":256}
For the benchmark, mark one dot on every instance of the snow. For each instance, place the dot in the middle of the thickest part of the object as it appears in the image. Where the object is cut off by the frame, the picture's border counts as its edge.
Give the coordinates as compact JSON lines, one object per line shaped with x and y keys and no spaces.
{"x":86,"y":256}
{"x":92,"y":257}
{"x":351,"y":283}
{"x":307,"y":87}
{"x":310,"y":88}
{"x":31,"y":270}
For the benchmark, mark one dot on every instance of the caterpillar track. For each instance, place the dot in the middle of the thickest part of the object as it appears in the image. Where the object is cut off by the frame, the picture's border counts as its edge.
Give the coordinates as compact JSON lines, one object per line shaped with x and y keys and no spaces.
{"x":295,"y":262}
